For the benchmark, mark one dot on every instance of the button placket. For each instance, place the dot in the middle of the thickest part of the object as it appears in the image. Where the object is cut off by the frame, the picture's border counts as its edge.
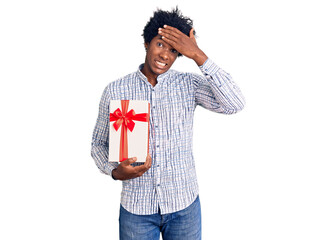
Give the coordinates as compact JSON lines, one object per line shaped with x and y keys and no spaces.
{"x":156,"y":137}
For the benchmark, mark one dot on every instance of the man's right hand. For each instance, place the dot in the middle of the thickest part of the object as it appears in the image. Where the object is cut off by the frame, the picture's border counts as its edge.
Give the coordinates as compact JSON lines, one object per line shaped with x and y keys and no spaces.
{"x":126,"y":171}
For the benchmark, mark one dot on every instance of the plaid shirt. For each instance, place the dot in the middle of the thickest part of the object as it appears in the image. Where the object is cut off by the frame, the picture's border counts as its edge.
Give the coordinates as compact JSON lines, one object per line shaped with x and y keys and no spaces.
{"x":171,"y":183}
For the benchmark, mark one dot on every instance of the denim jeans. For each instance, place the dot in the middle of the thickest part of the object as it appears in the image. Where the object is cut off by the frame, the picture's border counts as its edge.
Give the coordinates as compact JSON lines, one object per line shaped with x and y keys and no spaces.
{"x":181,"y":225}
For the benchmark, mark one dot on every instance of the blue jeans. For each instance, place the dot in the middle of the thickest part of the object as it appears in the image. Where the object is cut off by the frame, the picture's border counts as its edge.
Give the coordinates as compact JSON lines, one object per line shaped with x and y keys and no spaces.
{"x":181,"y":225}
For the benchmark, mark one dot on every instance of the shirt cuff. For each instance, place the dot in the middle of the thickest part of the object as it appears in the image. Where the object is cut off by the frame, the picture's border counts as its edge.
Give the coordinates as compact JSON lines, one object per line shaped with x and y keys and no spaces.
{"x":209,"y":67}
{"x":109,"y":167}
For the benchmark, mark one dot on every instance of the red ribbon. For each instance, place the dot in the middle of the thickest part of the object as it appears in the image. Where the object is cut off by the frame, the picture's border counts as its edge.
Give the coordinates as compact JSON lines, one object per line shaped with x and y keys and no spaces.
{"x":125,"y":120}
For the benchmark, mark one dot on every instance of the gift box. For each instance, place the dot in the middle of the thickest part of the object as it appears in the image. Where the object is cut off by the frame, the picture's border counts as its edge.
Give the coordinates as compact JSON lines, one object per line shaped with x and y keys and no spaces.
{"x":129,"y":130}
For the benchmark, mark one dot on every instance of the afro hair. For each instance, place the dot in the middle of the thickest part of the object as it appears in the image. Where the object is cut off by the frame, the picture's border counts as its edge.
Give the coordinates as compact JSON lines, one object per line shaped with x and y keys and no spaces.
{"x":174,"y":19}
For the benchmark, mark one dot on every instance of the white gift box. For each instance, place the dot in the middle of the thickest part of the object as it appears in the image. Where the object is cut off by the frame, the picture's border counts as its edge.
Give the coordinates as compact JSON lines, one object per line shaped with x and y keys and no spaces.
{"x":130,"y":139}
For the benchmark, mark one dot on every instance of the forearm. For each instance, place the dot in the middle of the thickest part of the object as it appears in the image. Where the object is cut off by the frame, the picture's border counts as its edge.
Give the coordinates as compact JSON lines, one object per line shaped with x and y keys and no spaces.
{"x":99,"y":154}
{"x":200,"y":57}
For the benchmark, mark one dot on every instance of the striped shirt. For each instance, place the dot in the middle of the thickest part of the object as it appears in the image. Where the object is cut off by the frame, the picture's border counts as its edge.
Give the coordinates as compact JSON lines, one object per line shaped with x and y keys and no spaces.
{"x":170,"y":184}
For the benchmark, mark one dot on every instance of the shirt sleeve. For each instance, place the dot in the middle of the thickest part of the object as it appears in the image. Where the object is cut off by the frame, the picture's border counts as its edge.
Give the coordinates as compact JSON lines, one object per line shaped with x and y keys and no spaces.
{"x":216,"y":90}
{"x":100,"y":137}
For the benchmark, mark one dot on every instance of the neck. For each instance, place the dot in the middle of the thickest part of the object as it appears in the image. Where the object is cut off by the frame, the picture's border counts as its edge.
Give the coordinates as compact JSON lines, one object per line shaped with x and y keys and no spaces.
{"x":153,"y":82}
{"x":151,"y":77}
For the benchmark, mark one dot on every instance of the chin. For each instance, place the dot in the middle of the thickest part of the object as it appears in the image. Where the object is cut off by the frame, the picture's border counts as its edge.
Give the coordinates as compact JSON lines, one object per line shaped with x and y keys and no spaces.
{"x":162,"y":71}
{"x":159,"y":71}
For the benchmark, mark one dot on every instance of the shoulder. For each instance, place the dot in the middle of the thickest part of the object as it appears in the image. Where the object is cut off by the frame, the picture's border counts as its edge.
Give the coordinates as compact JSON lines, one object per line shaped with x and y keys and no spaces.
{"x":114,"y":89}
{"x":122,"y":81}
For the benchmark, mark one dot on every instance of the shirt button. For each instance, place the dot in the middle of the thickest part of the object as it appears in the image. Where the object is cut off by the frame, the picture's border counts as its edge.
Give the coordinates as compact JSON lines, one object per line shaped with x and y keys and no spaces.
{"x":156,"y":126}
{"x":157,"y":146}
{"x":158,"y":165}
{"x":158,"y":185}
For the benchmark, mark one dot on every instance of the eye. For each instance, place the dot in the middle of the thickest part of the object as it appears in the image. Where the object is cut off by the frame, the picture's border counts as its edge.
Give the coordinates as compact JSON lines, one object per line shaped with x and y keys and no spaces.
{"x":159,"y":44}
{"x":173,"y":51}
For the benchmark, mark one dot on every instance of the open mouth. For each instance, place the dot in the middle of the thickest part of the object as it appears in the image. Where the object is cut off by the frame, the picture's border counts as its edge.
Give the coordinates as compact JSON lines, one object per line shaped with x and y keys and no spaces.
{"x":161,"y":64}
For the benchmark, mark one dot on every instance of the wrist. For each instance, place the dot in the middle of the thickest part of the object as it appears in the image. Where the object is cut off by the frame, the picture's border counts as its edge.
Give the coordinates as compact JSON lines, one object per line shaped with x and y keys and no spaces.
{"x":113,"y":175}
{"x":200,"y":58}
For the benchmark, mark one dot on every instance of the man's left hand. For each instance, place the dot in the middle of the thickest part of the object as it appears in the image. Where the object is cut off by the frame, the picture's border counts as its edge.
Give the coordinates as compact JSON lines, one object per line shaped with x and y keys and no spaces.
{"x":186,"y":45}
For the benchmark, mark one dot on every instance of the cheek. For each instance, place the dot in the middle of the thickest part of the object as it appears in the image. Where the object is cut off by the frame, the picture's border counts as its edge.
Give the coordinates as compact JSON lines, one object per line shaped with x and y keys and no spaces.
{"x":152,"y":53}
{"x":149,"y":56}
{"x":173,"y":58}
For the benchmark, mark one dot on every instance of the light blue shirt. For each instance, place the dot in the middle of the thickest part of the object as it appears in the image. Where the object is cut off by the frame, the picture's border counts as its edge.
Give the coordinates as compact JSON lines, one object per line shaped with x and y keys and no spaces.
{"x":171,"y":183}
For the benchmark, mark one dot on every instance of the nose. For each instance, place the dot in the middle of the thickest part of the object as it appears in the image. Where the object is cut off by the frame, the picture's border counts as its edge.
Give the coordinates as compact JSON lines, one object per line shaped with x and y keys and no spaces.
{"x":164,"y":54}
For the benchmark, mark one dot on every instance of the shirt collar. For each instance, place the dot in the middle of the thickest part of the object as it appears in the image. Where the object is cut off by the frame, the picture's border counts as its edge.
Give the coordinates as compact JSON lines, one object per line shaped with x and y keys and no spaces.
{"x":160,"y":79}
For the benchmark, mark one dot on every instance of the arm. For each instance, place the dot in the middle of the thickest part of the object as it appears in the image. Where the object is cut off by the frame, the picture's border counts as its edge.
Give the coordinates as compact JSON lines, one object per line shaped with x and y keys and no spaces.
{"x":100,"y":145}
{"x":215,"y":90}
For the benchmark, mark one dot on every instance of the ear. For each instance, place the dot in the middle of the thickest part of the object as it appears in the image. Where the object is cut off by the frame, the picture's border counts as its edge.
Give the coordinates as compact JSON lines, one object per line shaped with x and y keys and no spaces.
{"x":146,"y":45}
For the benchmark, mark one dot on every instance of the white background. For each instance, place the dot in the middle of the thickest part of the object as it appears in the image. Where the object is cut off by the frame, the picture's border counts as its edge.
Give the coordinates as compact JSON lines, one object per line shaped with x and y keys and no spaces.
{"x":265,"y":173}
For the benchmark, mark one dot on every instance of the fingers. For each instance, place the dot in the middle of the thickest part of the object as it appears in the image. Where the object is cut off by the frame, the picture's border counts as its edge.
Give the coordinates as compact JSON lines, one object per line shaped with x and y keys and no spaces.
{"x":168,"y":37}
{"x":175,"y":32}
{"x":127,"y":171}
{"x":191,"y":33}
{"x":129,"y":161}
{"x":143,"y":168}
{"x":171,"y":34}
{"x":172,"y":43}
{"x":148,"y":162}
{"x":170,"y":31}
{"x":178,"y":39}
{"x":146,"y":165}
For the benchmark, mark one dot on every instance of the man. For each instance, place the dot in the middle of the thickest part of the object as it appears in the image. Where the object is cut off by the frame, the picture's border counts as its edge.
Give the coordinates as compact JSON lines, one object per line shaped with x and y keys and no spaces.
{"x":161,"y":195}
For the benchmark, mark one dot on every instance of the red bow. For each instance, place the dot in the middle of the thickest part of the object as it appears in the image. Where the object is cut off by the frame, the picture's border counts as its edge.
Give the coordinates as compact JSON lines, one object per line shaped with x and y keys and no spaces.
{"x":125,"y":120}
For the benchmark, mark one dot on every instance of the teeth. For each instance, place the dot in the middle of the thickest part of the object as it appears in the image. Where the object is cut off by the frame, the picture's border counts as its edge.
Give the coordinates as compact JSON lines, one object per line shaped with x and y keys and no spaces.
{"x":161,"y":64}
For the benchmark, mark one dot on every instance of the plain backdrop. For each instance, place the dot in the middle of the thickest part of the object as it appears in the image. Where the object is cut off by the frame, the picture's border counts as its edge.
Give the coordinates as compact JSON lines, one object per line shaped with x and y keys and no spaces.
{"x":265,"y":173}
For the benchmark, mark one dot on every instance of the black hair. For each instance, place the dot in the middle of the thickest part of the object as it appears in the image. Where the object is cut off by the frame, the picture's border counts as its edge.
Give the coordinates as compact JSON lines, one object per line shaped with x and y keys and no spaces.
{"x":174,"y":19}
